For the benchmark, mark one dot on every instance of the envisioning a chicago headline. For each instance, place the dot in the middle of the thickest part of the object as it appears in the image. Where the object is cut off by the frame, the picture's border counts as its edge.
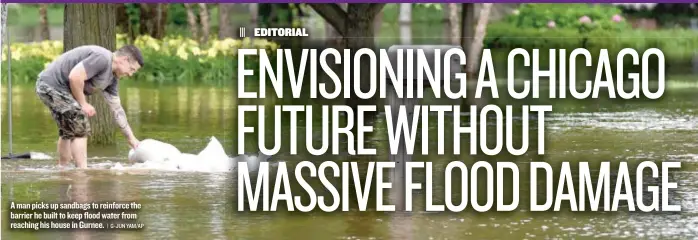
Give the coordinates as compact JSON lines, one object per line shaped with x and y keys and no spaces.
{"x":614,"y":187}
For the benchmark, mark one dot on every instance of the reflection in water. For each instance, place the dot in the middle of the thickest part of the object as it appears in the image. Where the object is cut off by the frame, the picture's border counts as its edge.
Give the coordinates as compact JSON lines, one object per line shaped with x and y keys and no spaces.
{"x":133,"y":106}
{"x":695,"y":63}
{"x":401,"y":226}
{"x":77,"y":189}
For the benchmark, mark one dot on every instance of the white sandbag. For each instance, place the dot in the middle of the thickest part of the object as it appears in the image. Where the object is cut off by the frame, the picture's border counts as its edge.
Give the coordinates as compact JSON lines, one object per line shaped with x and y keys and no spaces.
{"x":158,"y":165}
{"x":215,"y":158}
{"x":153,"y":150}
{"x":191,"y":162}
{"x":153,"y":154}
{"x":214,"y":152}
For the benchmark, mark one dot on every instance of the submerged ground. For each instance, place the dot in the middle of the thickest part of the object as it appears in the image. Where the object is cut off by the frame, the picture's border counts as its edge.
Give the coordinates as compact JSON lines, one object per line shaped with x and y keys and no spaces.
{"x":203,"y":205}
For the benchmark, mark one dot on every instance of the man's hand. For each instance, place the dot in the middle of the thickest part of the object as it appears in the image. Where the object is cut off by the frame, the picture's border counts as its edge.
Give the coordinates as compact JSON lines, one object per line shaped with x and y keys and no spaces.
{"x":114,"y":103}
{"x":133,"y":142}
{"x":88,"y":109}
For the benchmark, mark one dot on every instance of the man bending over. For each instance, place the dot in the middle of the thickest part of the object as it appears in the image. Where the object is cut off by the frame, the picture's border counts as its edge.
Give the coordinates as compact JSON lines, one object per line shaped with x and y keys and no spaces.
{"x":80,"y":72}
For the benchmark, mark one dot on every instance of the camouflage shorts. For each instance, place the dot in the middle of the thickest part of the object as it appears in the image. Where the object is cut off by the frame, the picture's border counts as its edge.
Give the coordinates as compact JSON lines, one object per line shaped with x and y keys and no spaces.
{"x":71,"y":120}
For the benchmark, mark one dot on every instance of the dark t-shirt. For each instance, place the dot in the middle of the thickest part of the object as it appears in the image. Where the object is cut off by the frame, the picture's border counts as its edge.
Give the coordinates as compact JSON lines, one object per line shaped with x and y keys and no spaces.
{"x":98,"y":66}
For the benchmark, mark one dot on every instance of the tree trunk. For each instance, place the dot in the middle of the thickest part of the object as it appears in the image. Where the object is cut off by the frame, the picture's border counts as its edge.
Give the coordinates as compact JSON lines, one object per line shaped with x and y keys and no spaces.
{"x":479,"y":29}
{"x":93,"y":24}
{"x":356,"y":26}
{"x":224,"y":29}
{"x":205,"y":28}
{"x":191,"y":18}
{"x":333,"y":38}
{"x":405,"y":20}
{"x":377,"y":25}
{"x":145,"y":19}
{"x":45,"y":34}
{"x":480,"y":32}
{"x":254,"y":14}
{"x":453,"y":23}
{"x":123,"y":21}
{"x":160,"y":21}
{"x":467,"y":26}
{"x":153,"y":17}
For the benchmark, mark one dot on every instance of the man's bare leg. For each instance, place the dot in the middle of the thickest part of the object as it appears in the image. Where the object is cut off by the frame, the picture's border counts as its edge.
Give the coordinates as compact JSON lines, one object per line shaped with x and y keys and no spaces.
{"x":79,"y":150}
{"x":64,"y":152}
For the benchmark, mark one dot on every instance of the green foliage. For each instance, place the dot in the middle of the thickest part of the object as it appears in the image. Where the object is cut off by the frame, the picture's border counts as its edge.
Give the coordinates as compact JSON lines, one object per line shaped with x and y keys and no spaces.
{"x":177,"y":14}
{"x":677,"y":45}
{"x":567,"y":16}
{"x":28,"y":15}
{"x":281,"y":14}
{"x":427,"y":13}
{"x":133,"y":12}
{"x":170,"y":60}
{"x":436,"y":6}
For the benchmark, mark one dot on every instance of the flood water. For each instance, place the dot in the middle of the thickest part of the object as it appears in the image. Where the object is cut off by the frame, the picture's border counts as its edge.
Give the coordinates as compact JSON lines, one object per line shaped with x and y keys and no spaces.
{"x":180,"y":205}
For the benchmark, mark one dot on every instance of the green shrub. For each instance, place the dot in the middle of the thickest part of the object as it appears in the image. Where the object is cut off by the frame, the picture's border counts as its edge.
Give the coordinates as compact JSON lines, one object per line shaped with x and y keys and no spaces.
{"x":171,"y":60}
{"x":568,"y":16}
{"x":678,"y":46}
{"x":506,"y":35}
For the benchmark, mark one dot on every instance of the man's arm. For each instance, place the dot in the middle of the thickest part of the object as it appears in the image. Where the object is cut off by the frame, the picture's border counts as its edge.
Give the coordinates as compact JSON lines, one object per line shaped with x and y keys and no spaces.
{"x":77,"y":78}
{"x":114,"y":102}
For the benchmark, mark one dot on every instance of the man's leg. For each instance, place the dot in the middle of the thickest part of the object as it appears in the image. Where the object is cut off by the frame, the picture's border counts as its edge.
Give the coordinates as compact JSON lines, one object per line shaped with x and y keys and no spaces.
{"x":78,"y":128}
{"x":64,"y":152}
{"x":79,"y":150}
{"x":73,"y":125}
{"x":56,"y":104}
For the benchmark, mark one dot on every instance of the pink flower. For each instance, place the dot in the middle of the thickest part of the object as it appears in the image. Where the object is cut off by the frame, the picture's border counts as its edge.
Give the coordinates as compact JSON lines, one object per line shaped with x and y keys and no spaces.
{"x":617,"y":18}
{"x":585,"y":19}
{"x":551,"y":24}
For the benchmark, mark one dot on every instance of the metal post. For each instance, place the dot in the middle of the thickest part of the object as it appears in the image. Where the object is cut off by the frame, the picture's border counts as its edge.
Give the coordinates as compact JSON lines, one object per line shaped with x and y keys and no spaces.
{"x":3,"y":21}
{"x":9,"y":84}
{"x":6,"y":32}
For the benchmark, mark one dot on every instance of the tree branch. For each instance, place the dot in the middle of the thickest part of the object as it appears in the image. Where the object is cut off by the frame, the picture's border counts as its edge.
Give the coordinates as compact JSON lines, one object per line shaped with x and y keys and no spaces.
{"x":333,"y":14}
{"x":374,"y":8}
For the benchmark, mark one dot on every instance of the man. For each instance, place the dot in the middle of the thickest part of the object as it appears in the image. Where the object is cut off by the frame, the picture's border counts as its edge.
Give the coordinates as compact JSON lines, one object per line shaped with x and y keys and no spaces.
{"x":80,"y":72}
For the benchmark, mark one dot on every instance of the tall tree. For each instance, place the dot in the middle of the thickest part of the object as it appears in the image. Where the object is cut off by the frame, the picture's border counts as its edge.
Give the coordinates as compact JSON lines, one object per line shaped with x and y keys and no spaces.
{"x":333,"y":38}
{"x":474,"y":50}
{"x":205,"y":26}
{"x":405,"y":19}
{"x":378,"y":24}
{"x":191,"y":19}
{"x":356,"y":25}
{"x":93,"y":24}
{"x":467,"y":25}
{"x":43,"y":22}
{"x":480,"y":31}
{"x":224,"y":29}
{"x":153,"y":17}
{"x":453,"y":23}
{"x":161,"y":20}
{"x":124,"y":23}
{"x":254,"y":14}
